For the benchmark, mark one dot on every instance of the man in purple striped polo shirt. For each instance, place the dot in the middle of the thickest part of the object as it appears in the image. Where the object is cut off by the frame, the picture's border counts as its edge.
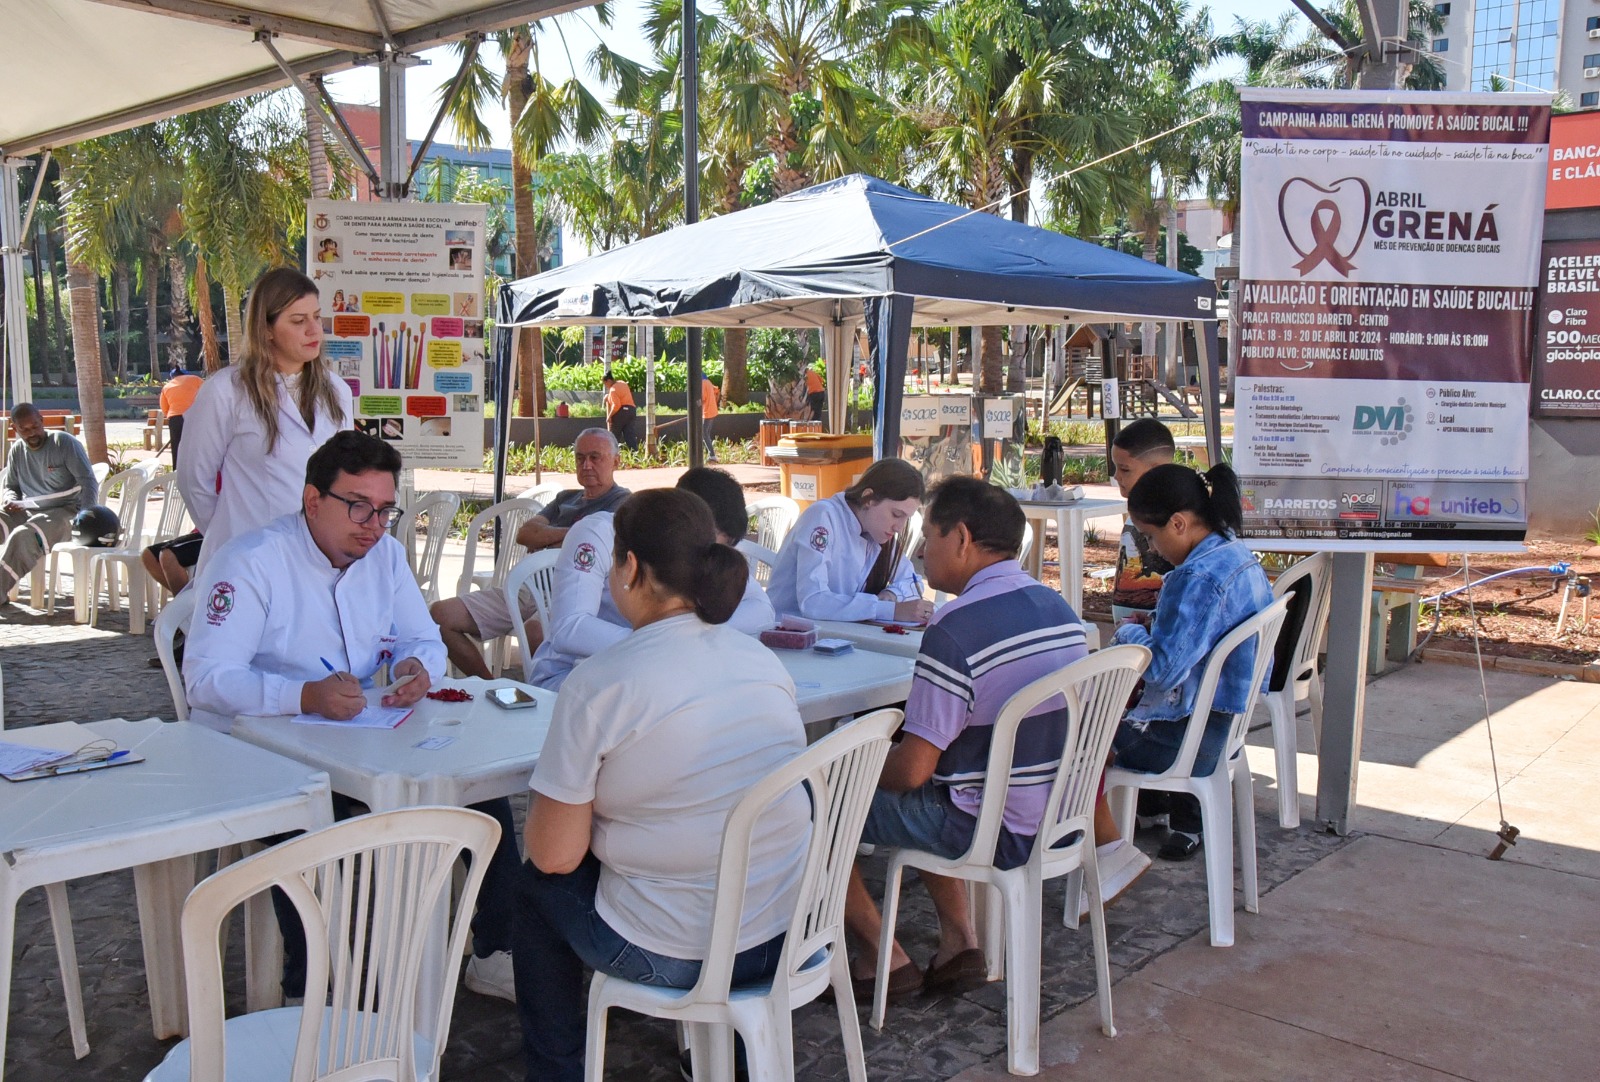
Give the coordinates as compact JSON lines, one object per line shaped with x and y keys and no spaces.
{"x":1003,"y":631}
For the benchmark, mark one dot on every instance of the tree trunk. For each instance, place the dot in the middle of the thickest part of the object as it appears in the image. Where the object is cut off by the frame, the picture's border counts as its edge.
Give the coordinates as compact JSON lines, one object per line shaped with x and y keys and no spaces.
{"x":103,"y":301}
{"x":123,"y":288}
{"x":208,"y":324}
{"x":1017,"y":372}
{"x":530,"y":365}
{"x":233,"y":319}
{"x":83,"y":287}
{"x":991,"y":371}
{"x":152,"y":310}
{"x":178,"y":325}
{"x":736,"y":365}
{"x":316,"y":153}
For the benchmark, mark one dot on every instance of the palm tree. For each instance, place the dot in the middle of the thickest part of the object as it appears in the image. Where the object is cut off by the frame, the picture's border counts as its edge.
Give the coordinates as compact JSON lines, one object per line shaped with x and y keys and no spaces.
{"x":543,"y":115}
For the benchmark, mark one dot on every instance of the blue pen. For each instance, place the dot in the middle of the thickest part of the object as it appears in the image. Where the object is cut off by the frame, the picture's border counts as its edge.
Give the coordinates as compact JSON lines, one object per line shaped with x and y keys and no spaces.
{"x":114,"y":756}
{"x":329,"y":666}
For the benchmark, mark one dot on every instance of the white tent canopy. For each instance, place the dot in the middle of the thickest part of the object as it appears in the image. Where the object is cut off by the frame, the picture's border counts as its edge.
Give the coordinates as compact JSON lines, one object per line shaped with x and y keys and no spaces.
{"x":72,"y":69}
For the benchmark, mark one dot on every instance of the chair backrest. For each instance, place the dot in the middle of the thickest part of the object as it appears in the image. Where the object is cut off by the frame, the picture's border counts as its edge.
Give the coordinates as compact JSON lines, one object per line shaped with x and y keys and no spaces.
{"x":367,"y":891}
{"x":1027,"y":541}
{"x":101,"y":471}
{"x":760,"y":558}
{"x":438,"y":510}
{"x":1262,"y":629}
{"x":175,"y":616}
{"x":536,"y":572}
{"x":541,"y":495}
{"x":1094,"y":691}
{"x":841,"y":770}
{"x":1309,"y":587}
{"x":171,"y":519}
{"x":508,"y":516}
{"x":772,"y":517}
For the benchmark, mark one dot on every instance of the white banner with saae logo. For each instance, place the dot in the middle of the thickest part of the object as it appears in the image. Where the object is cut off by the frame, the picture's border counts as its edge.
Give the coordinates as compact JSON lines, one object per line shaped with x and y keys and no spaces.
{"x":1390,"y":251}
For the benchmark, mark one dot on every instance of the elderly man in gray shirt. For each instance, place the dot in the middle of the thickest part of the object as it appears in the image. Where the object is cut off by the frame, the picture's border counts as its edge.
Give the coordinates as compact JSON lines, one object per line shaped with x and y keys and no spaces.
{"x":47,"y":480}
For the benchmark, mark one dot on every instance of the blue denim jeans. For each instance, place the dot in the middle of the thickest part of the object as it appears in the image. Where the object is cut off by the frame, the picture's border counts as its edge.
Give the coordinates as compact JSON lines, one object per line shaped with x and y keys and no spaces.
{"x":1155,"y":747}
{"x":556,"y":933}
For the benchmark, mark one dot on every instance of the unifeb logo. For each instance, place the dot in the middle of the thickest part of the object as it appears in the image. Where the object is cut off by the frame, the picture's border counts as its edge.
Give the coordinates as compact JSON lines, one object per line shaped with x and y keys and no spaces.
{"x":584,"y":558}
{"x":819,"y":539}
{"x":220,"y":604}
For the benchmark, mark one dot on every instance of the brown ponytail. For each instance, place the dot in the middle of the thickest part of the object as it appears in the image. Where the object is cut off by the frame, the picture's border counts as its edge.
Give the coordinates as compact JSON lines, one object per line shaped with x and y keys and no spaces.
{"x":670,"y":532}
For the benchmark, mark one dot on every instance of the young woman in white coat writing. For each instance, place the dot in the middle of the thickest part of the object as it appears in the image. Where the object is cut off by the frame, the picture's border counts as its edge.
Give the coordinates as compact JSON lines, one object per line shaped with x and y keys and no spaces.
{"x":254,"y":425}
{"x":843,"y":559}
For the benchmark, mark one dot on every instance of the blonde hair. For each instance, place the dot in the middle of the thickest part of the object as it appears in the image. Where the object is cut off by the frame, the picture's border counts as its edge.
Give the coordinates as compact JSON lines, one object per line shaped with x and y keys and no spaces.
{"x":258,"y":374}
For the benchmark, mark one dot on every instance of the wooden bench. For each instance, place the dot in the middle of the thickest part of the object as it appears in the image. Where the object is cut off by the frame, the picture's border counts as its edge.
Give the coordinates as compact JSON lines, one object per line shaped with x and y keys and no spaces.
{"x":155,"y":430}
{"x":1396,"y":598}
{"x":57,"y":420}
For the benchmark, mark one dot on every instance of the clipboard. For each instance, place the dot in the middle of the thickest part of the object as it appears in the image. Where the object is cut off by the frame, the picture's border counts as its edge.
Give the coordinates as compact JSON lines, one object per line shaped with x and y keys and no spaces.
{"x":60,"y":769}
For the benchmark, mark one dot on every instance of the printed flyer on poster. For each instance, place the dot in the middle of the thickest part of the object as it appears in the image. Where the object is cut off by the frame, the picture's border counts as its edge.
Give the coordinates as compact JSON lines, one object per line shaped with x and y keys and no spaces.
{"x":1387,"y":279}
{"x":1566,"y":331}
{"x":402,"y":308}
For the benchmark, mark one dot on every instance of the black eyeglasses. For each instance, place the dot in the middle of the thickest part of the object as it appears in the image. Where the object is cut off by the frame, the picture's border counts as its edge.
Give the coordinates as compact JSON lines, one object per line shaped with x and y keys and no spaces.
{"x":361,"y":512}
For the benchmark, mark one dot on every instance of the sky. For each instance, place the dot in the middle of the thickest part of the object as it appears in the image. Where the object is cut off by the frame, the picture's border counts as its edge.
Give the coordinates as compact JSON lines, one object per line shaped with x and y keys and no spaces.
{"x":575,"y":35}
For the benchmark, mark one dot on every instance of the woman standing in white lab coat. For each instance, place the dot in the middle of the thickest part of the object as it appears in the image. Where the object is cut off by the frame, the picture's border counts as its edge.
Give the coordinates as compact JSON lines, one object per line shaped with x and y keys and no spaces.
{"x":254,"y":424}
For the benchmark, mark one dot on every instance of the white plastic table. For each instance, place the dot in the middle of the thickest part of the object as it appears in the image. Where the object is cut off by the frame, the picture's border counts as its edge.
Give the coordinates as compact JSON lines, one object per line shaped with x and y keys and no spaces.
{"x":871,"y":637}
{"x":197,"y":790}
{"x":834,"y":687}
{"x":1069,"y":519}
{"x":490,"y":753}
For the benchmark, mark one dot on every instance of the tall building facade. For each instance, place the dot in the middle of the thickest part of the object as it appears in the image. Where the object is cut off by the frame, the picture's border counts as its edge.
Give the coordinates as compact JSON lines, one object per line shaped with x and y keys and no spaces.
{"x":1530,"y":44}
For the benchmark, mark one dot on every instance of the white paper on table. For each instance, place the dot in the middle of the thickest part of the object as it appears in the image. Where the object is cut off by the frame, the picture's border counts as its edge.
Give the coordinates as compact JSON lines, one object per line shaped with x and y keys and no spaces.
{"x":45,"y":744}
{"x":375,"y":716}
{"x":20,"y":758}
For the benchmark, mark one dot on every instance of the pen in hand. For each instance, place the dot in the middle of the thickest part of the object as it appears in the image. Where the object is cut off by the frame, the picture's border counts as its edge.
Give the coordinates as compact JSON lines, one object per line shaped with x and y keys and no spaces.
{"x":329,"y":666}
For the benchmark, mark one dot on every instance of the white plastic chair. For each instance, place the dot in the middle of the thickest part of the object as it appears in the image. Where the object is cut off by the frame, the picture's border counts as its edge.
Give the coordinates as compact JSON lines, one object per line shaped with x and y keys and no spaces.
{"x":128,"y":488}
{"x":510,"y":515}
{"x":1226,"y":795}
{"x":541,"y":494}
{"x":536,"y":573}
{"x":842,"y":771}
{"x":66,"y":945}
{"x":175,"y":617}
{"x":1095,"y":690}
{"x":1312,"y":578}
{"x":169,"y":519}
{"x":760,"y":558}
{"x":438,"y":509}
{"x":774,"y":517}
{"x":367,"y":891}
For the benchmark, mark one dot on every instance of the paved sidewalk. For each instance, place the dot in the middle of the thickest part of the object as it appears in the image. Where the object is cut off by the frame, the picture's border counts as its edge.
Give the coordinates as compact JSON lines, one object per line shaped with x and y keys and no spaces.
{"x":1400,"y":953}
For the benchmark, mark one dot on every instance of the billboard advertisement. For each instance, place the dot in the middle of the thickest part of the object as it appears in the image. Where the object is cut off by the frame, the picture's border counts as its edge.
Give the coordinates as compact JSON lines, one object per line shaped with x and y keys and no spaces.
{"x":402,"y":307}
{"x":1387,"y":278}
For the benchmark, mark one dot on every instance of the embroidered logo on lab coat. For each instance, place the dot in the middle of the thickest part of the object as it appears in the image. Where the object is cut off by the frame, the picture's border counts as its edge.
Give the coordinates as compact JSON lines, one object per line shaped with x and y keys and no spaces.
{"x":220,"y":603}
{"x":583,"y":559}
{"x":819,"y":539}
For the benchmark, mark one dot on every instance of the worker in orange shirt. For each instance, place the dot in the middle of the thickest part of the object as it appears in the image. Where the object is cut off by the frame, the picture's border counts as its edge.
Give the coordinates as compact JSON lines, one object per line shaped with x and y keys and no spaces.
{"x":710,"y":406}
{"x":177,"y":395}
{"x":814,"y":392}
{"x":620,"y":412}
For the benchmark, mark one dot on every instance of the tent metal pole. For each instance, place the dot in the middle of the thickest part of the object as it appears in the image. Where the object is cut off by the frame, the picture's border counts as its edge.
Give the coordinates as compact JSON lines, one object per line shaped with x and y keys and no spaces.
{"x":691,"y":214}
{"x":1210,"y":389}
{"x":392,"y":126}
{"x":18,"y":367}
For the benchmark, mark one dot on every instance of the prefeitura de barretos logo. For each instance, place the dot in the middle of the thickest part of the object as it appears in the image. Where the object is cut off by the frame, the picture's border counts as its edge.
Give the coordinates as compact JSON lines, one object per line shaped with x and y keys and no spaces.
{"x":1325,"y":224}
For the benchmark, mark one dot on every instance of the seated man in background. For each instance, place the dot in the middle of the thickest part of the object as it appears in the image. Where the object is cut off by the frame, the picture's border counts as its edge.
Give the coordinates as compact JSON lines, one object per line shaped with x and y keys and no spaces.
{"x":46,"y":482}
{"x":301,"y":616}
{"x":1003,"y":631}
{"x":583,"y":615}
{"x":465,"y":622}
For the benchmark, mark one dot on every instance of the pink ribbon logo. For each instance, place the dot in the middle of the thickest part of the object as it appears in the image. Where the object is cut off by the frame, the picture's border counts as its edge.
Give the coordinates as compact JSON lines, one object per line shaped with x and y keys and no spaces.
{"x":1314,"y":220}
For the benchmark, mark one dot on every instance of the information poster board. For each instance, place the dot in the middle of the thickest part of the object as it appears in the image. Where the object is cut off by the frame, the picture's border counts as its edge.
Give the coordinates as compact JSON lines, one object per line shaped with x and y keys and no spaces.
{"x":1566,"y":331}
{"x":1390,"y":253}
{"x":402,"y":308}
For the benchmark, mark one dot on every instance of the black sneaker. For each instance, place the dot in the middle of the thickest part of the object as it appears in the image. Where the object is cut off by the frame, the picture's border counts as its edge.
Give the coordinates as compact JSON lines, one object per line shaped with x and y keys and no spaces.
{"x":741,"y":1072}
{"x":1179,"y":846}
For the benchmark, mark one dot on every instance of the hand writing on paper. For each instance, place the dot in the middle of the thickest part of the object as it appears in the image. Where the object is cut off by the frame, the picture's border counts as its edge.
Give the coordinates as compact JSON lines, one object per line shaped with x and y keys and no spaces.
{"x":915,"y":611}
{"x":411,"y":683}
{"x":337,"y":697}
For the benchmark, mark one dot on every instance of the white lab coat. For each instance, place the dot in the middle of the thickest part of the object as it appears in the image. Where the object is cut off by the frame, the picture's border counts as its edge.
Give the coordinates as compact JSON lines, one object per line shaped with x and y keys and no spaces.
{"x":225,"y":437}
{"x":583,"y":616}
{"x":823,"y":566}
{"x":271,"y":607}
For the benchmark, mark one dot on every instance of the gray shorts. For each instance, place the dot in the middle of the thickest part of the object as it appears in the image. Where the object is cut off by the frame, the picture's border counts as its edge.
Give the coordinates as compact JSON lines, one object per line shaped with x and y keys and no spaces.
{"x":488,"y":610}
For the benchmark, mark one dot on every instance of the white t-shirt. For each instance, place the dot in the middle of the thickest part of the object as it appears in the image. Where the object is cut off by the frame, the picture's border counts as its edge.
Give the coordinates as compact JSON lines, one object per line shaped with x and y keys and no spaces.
{"x":665,"y":747}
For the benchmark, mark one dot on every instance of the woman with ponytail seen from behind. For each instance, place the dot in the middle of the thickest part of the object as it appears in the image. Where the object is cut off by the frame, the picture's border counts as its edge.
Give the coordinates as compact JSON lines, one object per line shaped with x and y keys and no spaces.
{"x":1216,"y":584}
{"x":648,"y":752}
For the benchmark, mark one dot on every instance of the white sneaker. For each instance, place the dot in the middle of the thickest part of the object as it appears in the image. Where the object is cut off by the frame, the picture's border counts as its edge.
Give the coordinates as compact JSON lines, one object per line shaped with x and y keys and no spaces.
{"x":492,"y":976}
{"x":1121,"y":864}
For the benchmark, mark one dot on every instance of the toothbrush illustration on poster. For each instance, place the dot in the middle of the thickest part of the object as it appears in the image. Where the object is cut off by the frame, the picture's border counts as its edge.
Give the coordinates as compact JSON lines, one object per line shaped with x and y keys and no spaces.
{"x":402,"y":301}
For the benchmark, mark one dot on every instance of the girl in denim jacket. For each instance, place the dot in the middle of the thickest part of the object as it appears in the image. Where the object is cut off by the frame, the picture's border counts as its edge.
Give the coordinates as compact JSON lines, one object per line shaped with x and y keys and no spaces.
{"x":1215,"y":586}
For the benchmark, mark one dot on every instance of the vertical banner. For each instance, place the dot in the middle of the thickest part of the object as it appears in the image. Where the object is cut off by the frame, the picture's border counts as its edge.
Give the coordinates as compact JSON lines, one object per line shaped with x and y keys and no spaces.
{"x":1391,"y":249}
{"x":402,"y":308}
